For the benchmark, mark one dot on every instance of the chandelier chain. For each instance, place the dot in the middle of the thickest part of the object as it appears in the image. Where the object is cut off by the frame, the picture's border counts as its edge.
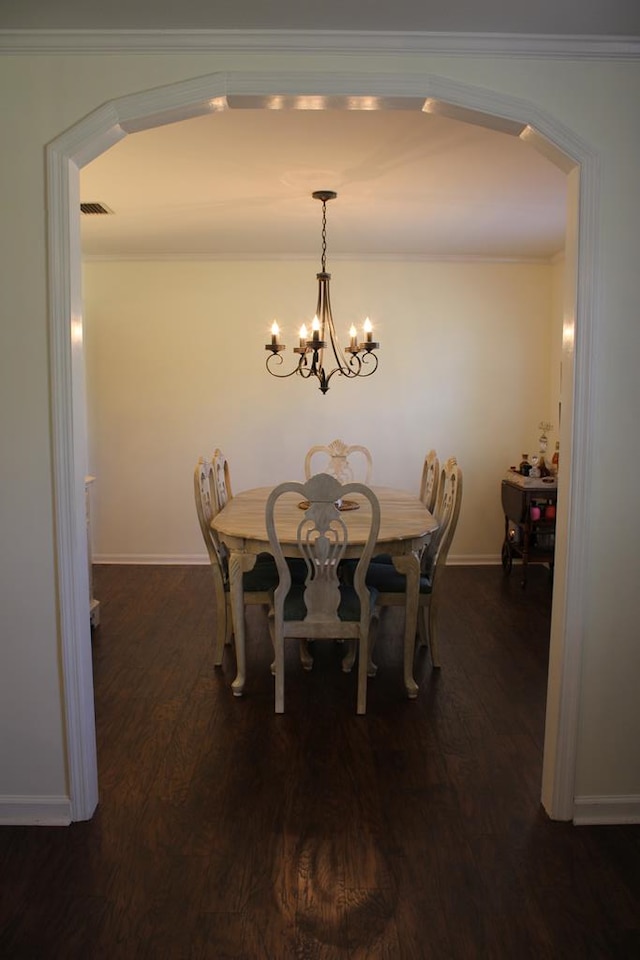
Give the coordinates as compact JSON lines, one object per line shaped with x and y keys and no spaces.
{"x":324,"y":236}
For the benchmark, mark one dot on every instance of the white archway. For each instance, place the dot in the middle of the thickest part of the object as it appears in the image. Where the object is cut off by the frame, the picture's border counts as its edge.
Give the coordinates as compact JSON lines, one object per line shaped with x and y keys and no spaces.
{"x":110,"y":123}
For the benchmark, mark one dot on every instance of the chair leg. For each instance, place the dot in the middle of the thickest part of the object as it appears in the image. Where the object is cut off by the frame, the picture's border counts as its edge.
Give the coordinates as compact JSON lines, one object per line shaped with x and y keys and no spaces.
{"x":422,"y":639}
{"x":363,"y":661}
{"x":279,"y":675}
{"x":305,"y":655}
{"x":223,"y":627}
{"x":433,"y":633}
{"x":277,"y":667}
{"x":228,"y":634}
{"x":372,"y":668}
{"x":224,"y":622}
{"x":272,"y":634}
{"x":349,"y":657}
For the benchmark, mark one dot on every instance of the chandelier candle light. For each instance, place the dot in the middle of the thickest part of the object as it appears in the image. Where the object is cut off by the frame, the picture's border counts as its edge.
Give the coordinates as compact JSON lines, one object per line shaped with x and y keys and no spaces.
{"x":361,"y":362}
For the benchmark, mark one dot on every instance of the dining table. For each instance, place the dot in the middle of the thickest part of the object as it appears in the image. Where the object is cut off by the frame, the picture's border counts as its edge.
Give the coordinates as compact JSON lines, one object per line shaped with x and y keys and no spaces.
{"x":405,"y":527}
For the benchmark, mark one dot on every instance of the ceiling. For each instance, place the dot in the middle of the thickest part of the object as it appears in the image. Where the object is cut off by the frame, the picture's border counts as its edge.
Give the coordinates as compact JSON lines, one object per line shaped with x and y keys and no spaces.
{"x":238,"y":184}
{"x":410,"y":184}
{"x":556,"y":17}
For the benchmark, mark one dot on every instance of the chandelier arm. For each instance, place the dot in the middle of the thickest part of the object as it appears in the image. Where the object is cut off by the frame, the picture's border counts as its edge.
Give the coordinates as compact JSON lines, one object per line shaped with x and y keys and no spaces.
{"x":276,"y":359}
{"x":306,"y":372}
{"x":343,"y":373}
{"x":357,"y":362}
{"x":369,"y":359}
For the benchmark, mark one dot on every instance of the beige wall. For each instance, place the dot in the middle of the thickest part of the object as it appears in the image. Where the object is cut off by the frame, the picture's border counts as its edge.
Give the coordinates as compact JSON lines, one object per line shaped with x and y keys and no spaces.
{"x":175,"y":367}
{"x":555,"y":367}
{"x":42,"y":96}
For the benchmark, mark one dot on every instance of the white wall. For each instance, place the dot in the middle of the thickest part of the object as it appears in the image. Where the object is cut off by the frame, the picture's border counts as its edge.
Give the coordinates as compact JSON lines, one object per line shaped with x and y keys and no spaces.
{"x":42,"y":96}
{"x":175,"y":367}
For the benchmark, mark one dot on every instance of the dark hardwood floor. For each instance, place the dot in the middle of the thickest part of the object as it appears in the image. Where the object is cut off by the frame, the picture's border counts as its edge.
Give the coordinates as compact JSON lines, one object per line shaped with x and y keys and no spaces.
{"x":224,"y":831}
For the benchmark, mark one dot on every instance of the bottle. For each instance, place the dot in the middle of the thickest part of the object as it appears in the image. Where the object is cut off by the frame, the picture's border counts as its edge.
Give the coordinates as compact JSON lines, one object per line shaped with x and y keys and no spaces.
{"x":525,"y":467}
{"x":544,"y":469}
{"x":555,"y":459}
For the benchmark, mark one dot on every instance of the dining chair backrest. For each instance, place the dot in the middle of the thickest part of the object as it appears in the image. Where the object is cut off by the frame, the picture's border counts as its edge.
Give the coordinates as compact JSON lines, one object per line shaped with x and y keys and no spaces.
{"x":204,"y":486}
{"x":430,"y":480}
{"x":222,"y":480}
{"x":339,"y":459}
{"x":321,"y":608}
{"x":447,"y":511}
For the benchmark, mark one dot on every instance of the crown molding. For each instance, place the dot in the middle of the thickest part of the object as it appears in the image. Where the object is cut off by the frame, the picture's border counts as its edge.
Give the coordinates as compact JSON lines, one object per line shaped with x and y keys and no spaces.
{"x":269,"y":257}
{"x":348,"y":42}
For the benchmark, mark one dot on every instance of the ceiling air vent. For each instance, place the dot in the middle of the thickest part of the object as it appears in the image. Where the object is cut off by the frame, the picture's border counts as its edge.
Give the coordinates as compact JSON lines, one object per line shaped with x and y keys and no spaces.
{"x":94,"y":208}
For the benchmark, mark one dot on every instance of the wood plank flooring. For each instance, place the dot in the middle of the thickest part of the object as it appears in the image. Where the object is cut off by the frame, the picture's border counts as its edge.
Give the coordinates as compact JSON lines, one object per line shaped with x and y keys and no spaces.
{"x":227,"y":833}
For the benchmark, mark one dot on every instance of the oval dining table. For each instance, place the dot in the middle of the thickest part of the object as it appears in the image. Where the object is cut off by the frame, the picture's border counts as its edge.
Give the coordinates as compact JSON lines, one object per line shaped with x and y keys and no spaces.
{"x":405,"y":527}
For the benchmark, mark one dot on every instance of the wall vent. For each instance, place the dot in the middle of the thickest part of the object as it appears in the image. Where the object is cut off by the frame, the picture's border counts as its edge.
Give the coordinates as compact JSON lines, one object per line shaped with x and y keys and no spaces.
{"x":93,"y":208}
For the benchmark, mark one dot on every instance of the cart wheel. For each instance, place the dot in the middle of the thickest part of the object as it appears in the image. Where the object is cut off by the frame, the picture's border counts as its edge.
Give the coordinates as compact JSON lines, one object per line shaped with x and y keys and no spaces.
{"x":506,"y":558}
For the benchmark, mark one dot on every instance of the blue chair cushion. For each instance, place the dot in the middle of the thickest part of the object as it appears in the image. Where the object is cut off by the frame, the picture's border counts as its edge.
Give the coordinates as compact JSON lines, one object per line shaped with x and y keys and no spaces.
{"x":386,"y":579}
{"x":349,"y":608}
{"x":382,"y":558}
{"x":264,"y":575}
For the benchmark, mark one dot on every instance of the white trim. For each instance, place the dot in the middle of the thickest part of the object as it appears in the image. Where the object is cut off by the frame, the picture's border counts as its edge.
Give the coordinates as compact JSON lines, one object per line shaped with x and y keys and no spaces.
{"x":69,"y":457}
{"x":574,"y":497}
{"x":270,"y":257}
{"x":153,"y":559}
{"x":35,"y":811}
{"x":191,"y":98}
{"x":197,"y":559}
{"x":604,"y":810}
{"x":347,"y":42}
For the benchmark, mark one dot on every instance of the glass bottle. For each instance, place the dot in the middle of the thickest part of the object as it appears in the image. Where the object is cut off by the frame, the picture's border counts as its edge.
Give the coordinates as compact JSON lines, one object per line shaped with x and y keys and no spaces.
{"x":525,"y":467}
{"x":555,"y":459}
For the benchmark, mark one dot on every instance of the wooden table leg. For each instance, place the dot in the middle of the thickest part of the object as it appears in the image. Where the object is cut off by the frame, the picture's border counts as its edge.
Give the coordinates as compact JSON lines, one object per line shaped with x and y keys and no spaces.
{"x":409,"y":565}
{"x":238,"y":564}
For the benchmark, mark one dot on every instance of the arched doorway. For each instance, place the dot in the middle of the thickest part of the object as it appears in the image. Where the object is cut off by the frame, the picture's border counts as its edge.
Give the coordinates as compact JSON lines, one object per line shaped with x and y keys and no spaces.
{"x":106,"y":126}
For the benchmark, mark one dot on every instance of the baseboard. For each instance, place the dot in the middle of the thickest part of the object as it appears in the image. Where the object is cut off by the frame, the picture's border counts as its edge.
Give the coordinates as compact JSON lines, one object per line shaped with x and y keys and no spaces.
{"x":603,"y":810}
{"x":35,"y":811}
{"x":151,"y":559}
{"x":198,"y":559}
{"x":474,"y":560}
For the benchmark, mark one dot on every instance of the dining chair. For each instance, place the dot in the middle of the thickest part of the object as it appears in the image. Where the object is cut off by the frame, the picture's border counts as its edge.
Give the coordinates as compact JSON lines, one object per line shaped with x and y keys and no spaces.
{"x":211,"y":487}
{"x":430,"y":480}
{"x":322,"y":607}
{"x":391,"y":585}
{"x":337,"y":461}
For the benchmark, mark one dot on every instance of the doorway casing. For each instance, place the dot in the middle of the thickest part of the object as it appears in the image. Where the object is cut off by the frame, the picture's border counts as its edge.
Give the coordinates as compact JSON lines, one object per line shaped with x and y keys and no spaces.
{"x":113,"y":121}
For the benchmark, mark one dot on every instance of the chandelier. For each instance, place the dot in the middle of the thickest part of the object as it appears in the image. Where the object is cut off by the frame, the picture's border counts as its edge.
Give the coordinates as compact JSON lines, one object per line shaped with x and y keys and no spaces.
{"x":357,"y":359}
